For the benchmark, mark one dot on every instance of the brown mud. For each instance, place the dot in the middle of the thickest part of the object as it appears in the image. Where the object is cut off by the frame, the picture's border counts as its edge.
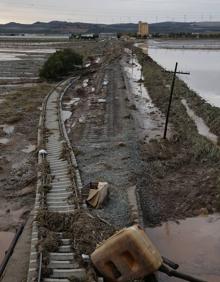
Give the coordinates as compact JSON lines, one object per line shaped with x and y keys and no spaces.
{"x":180,"y":174}
{"x":19,"y":112}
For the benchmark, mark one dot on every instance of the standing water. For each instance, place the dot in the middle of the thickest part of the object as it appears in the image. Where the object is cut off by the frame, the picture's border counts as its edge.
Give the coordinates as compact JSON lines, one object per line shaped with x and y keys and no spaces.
{"x":5,"y":241}
{"x":193,"y":243}
{"x":203,"y":66}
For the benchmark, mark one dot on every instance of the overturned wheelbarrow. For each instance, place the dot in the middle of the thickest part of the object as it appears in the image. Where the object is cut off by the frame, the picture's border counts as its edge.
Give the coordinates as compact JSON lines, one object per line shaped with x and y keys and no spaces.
{"x":129,"y":254}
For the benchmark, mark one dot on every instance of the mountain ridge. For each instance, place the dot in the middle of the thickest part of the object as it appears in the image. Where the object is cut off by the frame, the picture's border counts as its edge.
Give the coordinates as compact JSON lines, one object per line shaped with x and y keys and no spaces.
{"x":80,"y":27}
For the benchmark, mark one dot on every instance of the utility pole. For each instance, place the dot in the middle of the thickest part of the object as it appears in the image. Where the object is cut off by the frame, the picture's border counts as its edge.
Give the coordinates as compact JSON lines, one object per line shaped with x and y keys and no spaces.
{"x":171,"y":96}
{"x":132,"y":58}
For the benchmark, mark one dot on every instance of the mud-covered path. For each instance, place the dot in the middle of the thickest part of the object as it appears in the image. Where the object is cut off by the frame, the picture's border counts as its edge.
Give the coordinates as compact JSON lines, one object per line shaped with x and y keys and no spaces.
{"x":106,"y":141}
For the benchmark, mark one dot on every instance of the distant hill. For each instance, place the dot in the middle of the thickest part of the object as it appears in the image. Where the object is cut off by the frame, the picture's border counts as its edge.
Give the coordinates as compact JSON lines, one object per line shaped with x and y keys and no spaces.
{"x":60,"y":27}
{"x":192,"y":27}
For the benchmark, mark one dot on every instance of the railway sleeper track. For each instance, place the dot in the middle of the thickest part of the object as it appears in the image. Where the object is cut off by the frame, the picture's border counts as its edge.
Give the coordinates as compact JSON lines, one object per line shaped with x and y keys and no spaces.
{"x":52,"y":136}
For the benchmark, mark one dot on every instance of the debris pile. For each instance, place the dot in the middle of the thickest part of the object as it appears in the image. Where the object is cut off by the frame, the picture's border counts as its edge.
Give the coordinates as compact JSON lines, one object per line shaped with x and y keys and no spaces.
{"x":83,"y":228}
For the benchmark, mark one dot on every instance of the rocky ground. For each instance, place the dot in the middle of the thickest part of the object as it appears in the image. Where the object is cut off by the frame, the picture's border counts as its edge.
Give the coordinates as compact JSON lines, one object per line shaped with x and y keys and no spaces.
{"x":175,"y":178}
{"x":113,"y":141}
{"x":103,"y":137}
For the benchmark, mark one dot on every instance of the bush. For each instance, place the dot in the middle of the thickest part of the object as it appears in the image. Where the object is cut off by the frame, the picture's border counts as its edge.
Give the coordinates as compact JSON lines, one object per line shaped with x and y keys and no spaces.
{"x":60,"y":64}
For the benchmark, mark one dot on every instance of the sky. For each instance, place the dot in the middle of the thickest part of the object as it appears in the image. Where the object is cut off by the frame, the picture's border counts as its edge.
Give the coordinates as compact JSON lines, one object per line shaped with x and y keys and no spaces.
{"x":109,"y":11}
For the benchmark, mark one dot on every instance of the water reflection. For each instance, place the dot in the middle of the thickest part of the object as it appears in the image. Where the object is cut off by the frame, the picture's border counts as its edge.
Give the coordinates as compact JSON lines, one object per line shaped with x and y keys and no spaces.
{"x":194,"y":244}
{"x":203,"y":66}
{"x":202,"y":128}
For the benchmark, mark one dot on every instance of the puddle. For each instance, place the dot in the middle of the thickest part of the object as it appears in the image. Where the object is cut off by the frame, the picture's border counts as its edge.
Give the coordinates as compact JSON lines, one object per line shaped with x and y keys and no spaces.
{"x":101,"y":100}
{"x":202,"y":128}
{"x":143,"y":47}
{"x":5,"y":241}
{"x":149,"y":118}
{"x":29,"y":149}
{"x":66,"y":115}
{"x":4,"y":141}
{"x":12,"y":51}
{"x":194,"y":244}
{"x":8,"y":129}
{"x":8,"y":78}
{"x":74,"y":101}
{"x":9,"y":57}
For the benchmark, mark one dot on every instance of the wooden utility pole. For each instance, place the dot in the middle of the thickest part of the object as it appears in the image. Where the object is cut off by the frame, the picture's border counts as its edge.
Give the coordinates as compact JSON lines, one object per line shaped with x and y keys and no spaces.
{"x":171,"y":97}
{"x":132,"y":59}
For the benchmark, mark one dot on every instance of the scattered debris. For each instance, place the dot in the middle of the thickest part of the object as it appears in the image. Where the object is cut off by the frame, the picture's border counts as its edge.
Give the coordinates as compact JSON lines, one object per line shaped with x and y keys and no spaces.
{"x":85,"y":83}
{"x":98,"y":194}
{"x":43,"y":153}
{"x":101,"y":100}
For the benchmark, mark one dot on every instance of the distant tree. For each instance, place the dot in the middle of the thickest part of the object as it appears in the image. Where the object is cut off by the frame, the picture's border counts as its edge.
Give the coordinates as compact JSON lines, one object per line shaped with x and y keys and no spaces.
{"x":60,"y":64}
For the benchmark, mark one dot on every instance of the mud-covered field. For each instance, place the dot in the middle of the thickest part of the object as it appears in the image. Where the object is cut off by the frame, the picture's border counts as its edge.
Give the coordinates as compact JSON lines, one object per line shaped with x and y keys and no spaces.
{"x":115,"y":126}
{"x":117,"y":133}
{"x":21,"y":96}
{"x":181,"y":173}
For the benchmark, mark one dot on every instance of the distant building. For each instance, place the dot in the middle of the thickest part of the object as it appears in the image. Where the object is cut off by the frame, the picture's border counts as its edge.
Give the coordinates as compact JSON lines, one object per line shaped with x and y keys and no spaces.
{"x":108,"y":35}
{"x":88,"y":36}
{"x":143,"y":29}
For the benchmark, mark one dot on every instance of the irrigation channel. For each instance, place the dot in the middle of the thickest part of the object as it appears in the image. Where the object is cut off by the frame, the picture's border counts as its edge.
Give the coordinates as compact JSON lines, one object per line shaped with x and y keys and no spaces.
{"x":58,"y":171}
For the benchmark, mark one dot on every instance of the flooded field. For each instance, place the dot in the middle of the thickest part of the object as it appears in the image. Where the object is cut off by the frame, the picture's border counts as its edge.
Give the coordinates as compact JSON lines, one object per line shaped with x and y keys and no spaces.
{"x":199,"y":58}
{"x":193,"y":244}
{"x":22,"y":57}
{"x":21,"y":63}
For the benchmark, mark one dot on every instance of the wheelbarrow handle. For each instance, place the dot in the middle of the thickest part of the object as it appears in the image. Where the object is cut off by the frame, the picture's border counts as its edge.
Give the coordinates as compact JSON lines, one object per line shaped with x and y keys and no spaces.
{"x":174,"y":273}
{"x":170,"y":263}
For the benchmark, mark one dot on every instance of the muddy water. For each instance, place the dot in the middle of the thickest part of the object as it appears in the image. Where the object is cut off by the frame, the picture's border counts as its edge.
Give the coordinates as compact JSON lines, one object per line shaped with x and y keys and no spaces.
{"x":202,"y":128}
{"x":9,"y":57}
{"x":66,"y":115}
{"x":5,"y":240}
{"x":8,"y":129}
{"x":13,"y":52}
{"x":29,"y":149}
{"x":4,"y":141}
{"x":149,"y":118}
{"x":194,"y":244}
{"x":203,"y":66}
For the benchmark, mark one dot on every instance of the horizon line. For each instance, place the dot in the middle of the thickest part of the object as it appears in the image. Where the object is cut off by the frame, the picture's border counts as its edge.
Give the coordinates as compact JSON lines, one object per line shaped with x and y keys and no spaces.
{"x":82,"y":22}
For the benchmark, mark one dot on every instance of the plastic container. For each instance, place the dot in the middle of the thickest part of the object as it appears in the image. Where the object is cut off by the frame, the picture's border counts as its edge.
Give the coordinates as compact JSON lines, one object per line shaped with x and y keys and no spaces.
{"x":129,"y":254}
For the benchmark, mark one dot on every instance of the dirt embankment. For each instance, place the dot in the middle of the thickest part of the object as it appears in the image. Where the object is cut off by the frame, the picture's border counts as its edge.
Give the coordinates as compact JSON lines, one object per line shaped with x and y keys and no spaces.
{"x":103,"y":136}
{"x":180,"y":174}
{"x":19,"y":115}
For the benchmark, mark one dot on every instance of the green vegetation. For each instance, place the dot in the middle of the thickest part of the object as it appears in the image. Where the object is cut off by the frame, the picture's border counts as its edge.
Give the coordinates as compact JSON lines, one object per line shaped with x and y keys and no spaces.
{"x":60,"y":64}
